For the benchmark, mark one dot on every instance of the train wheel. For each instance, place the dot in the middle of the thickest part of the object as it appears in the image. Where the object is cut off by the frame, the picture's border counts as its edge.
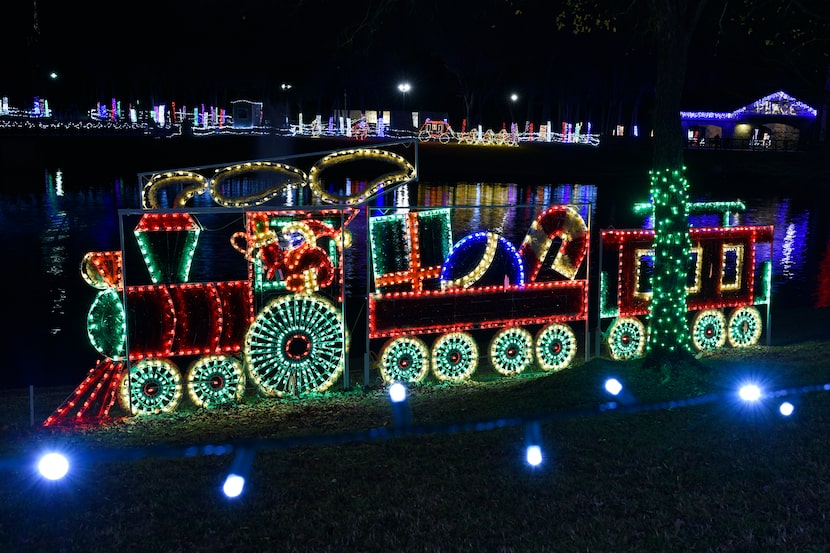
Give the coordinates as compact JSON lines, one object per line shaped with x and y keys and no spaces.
{"x":744,"y":327}
{"x":296,"y":344}
{"x":404,"y":359}
{"x":454,"y":356}
{"x":709,"y":330}
{"x":105,"y":324}
{"x":626,"y":338}
{"x":511,"y":350}
{"x":555,"y":347}
{"x":216,"y":380}
{"x":153,"y":386}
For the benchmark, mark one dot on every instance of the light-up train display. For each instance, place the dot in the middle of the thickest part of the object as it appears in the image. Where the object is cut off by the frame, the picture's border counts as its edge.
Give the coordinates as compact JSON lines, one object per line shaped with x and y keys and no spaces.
{"x":438,"y":304}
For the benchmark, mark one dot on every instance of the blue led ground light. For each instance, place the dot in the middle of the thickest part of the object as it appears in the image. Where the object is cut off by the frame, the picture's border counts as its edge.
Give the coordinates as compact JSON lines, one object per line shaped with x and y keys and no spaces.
{"x":54,"y":465}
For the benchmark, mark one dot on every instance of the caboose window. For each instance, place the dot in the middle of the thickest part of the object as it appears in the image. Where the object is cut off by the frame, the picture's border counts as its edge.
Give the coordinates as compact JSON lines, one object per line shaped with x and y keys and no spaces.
{"x":644,"y":270}
{"x":732,"y":260}
{"x":693,"y":270}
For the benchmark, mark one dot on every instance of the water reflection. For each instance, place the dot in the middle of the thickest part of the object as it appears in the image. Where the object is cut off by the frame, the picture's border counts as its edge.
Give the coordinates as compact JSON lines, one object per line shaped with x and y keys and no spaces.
{"x":54,"y":257}
{"x":506,"y":208}
{"x":59,"y":183}
{"x":790,"y":244}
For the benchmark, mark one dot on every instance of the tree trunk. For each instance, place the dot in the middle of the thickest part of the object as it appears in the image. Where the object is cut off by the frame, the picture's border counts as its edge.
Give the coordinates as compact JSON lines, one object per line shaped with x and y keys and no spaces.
{"x":669,"y":333}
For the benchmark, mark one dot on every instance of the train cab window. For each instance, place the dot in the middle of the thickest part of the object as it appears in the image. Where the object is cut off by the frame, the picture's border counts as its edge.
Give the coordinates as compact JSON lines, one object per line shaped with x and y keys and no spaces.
{"x":732,"y":259}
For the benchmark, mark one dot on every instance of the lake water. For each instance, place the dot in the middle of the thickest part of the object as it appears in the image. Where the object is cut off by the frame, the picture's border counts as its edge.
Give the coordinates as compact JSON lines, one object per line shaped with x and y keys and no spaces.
{"x":51,"y":217}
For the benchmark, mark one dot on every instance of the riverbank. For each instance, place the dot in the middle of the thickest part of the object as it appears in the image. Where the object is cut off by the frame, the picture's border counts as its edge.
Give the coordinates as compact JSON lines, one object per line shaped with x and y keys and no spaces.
{"x":528,"y":163}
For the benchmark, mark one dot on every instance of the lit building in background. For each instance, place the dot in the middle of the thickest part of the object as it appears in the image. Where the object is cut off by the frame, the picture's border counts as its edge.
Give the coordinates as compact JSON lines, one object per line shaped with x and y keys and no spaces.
{"x":776,"y":122}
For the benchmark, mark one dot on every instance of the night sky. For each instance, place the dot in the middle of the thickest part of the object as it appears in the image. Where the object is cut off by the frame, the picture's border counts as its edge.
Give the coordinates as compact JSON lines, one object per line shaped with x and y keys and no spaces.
{"x":357,"y":52}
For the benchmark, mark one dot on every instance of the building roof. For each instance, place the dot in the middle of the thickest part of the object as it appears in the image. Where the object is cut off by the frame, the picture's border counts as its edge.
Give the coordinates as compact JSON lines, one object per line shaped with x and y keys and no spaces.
{"x":778,"y":103}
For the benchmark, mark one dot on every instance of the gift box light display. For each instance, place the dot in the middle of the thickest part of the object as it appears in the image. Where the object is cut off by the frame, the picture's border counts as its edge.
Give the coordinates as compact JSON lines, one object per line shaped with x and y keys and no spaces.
{"x":430,"y":289}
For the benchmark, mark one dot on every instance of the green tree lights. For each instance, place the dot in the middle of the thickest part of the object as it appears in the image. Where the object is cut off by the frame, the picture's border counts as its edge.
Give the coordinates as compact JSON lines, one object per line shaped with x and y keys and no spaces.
{"x":669,"y":332}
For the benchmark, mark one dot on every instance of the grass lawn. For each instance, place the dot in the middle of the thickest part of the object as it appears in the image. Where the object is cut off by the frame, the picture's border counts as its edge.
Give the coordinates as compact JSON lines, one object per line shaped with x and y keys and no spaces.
{"x":717,"y":476}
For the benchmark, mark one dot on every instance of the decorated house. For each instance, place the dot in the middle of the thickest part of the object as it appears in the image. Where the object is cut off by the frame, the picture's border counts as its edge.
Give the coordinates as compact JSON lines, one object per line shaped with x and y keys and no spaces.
{"x":246,"y":114}
{"x":777,"y":121}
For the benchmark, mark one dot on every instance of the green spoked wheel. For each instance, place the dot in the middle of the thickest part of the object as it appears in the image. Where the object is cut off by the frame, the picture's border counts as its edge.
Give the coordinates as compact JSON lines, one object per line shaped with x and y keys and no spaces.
{"x":454,"y":356}
{"x":152,"y":386}
{"x":105,"y":324}
{"x":555,"y":347}
{"x":404,"y":359}
{"x":709,"y":330}
{"x":744,"y":327}
{"x":511,"y":350}
{"x":626,"y":339}
{"x":296,"y":344}
{"x":216,"y":380}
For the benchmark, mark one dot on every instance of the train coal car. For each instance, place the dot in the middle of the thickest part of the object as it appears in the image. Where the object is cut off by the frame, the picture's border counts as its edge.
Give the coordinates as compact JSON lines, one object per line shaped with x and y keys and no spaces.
{"x":432,"y":295}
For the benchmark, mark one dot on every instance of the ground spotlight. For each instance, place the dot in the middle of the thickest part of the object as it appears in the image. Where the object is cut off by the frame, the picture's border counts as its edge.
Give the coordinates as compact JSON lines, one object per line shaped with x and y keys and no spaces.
{"x":238,"y":474}
{"x":397,"y":392}
{"x":786,"y":408}
{"x":749,"y":392}
{"x":233,"y":486}
{"x":534,"y":455}
{"x":53,"y":466}
{"x":613,"y":386}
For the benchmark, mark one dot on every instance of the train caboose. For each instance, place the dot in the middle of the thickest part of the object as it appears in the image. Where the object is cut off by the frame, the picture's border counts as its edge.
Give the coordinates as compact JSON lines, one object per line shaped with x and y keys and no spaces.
{"x":728,"y":276}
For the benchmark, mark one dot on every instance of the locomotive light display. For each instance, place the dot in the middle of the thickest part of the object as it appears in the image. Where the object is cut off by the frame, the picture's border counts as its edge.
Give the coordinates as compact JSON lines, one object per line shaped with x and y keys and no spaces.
{"x":206,"y":305}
